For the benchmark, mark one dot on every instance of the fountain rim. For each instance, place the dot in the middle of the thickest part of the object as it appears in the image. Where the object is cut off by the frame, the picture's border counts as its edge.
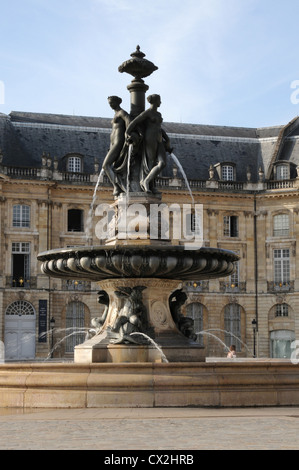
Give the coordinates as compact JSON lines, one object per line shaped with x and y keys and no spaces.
{"x":173,"y":249}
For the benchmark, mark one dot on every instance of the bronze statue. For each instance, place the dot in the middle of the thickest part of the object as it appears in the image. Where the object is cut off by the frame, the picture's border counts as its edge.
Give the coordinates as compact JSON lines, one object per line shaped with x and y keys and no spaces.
{"x":131,"y":317}
{"x":117,"y":140}
{"x":155,"y":142}
{"x":184,"y":324}
{"x":98,"y":322}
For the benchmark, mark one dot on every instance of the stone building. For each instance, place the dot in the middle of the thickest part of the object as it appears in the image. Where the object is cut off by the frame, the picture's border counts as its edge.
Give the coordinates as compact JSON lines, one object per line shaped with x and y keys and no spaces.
{"x":246,"y":180}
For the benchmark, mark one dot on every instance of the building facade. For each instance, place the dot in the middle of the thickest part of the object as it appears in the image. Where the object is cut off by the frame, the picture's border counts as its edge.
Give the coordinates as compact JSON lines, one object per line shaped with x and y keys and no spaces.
{"x":246,"y":180}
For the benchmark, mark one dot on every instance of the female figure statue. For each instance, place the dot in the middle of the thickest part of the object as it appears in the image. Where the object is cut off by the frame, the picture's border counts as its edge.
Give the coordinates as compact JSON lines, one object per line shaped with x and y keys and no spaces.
{"x":119,"y":123}
{"x":155,"y":144}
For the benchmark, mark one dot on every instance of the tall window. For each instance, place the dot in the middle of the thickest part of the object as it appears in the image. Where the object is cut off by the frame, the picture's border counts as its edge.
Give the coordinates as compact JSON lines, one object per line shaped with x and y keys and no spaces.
{"x":227,"y":173}
{"x":20,"y":264}
{"x":281,"y":225}
{"x":74,"y":164}
{"x":232,"y":325}
{"x":282,"y":310}
{"x":75,"y":324}
{"x":195,"y":311}
{"x":75,"y":220}
{"x":230,"y":226}
{"x":235,"y":277}
{"x":282,"y":172}
{"x":21,"y":216}
{"x":281,"y":266}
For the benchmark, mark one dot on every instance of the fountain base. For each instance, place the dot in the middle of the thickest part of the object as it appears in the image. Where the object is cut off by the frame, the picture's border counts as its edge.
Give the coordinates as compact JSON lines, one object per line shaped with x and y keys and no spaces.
{"x":157,"y":339}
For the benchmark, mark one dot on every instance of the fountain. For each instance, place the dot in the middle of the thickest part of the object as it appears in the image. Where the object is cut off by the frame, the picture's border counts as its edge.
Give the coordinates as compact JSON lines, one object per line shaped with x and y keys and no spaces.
{"x":145,"y":256}
{"x":143,"y":352}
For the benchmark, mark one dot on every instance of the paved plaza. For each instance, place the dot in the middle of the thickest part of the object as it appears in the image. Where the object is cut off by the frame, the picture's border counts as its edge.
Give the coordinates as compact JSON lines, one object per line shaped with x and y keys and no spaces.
{"x":160,"y":429}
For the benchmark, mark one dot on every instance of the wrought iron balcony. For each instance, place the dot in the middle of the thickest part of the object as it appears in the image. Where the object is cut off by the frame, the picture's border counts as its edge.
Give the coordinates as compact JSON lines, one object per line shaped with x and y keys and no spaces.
{"x":275,"y":287}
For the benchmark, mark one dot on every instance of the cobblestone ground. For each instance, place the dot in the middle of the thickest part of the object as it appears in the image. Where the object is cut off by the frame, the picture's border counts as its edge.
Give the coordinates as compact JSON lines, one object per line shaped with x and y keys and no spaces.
{"x":150,"y":429}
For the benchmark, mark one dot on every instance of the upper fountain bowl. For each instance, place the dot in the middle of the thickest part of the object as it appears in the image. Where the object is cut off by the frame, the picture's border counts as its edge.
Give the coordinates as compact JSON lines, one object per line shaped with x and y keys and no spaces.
{"x":98,"y":263}
{"x":138,"y":66}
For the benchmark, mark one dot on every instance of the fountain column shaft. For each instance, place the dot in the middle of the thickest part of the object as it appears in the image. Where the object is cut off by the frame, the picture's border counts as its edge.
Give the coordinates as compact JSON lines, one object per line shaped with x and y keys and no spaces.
{"x":137,"y":89}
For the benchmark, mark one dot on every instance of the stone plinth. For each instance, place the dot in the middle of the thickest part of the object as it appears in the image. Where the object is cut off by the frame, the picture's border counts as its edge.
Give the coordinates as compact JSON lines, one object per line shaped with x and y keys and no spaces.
{"x":163,"y":341}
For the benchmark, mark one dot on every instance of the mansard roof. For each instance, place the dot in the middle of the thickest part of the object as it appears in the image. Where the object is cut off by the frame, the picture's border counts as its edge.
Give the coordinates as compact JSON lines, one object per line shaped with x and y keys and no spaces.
{"x":24,"y":137}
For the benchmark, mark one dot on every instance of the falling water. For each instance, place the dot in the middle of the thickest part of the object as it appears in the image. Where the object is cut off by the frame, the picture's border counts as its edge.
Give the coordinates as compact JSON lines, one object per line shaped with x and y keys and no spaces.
{"x":129,"y":167}
{"x":74,"y":331}
{"x":178,"y":164}
{"x":90,"y":213}
{"x":164,"y":358}
{"x":234,"y":336}
{"x":206,"y":333}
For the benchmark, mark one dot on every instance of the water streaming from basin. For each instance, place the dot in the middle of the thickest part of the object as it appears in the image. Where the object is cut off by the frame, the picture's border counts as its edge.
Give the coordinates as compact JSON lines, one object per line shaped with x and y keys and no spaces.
{"x":178,"y":164}
{"x":91,"y":209}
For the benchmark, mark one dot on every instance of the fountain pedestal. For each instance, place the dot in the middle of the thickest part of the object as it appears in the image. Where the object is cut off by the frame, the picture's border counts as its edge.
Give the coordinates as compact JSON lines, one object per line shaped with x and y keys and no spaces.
{"x":163,"y":342}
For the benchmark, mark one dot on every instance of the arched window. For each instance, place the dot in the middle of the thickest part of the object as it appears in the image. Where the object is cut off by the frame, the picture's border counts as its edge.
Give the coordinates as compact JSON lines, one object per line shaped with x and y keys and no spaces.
{"x":232,"y":325}
{"x":75,"y":324}
{"x":281,"y":225}
{"x":20,"y":307}
{"x":195,"y":311}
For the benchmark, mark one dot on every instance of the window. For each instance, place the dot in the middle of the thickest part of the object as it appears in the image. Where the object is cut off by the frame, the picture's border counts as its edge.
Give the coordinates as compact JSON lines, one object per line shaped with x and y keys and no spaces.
{"x":195,"y":311}
{"x":75,"y":220}
{"x":282,"y":310}
{"x":232,"y":325}
{"x":282,"y":172}
{"x":280,"y":343}
{"x":20,"y":264}
{"x":227,"y":173}
{"x":21,"y":216}
{"x":74,"y":164}
{"x":281,"y":225}
{"x":281,"y":266}
{"x":235,"y":277}
{"x":19,"y":308}
{"x":75,"y":324}
{"x":230,"y":226}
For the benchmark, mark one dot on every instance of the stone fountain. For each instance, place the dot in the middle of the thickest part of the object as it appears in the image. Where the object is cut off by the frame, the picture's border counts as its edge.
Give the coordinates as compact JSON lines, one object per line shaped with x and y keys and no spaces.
{"x":144,"y":352}
{"x":148,"y":249}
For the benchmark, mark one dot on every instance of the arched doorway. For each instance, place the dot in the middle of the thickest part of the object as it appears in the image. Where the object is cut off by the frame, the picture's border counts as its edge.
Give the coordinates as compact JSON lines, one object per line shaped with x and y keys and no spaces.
{"x":75,"y":325}
{"x":20,"y":319}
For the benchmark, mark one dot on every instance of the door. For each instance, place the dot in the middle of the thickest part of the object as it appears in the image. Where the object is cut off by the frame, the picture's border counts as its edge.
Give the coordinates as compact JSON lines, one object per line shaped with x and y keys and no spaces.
{"x":20,"y":322}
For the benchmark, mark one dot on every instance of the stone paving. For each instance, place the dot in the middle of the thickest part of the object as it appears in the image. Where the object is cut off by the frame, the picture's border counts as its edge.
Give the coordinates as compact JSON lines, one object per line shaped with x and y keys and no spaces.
{"x":160,"y":429}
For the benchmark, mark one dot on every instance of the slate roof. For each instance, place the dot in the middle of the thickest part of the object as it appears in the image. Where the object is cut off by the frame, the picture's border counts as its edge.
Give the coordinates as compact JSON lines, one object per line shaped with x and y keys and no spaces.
{"x":24,"y":137}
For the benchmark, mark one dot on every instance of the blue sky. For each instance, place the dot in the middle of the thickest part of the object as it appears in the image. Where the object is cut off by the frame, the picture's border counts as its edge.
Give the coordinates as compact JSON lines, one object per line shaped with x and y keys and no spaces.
{"x":223,"y":62}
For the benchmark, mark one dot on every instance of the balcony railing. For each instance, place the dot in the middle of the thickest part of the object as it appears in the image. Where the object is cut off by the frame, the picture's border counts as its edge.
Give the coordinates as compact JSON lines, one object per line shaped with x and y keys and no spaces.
{"x":77,"y":285}
{"x":197,"y":286}
{"x":21,"y":172}
{"x":275,"y":287}
{"x":21,"y":282}
{"x":231,"y":287}
{"x":77,"y":177}
{"x":283,"y":184}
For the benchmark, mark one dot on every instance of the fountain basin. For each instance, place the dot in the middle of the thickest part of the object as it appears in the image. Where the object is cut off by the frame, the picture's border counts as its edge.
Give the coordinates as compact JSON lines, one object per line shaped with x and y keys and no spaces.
{"x":229,"y":384}
{"x":157,"y":272}
{"x":99,"y":263}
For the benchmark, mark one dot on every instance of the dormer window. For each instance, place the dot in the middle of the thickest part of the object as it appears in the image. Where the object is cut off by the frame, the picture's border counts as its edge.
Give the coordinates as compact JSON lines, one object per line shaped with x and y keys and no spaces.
{"x":227,"y":173}
{"x":74,"y":164}
{"x":282,"y":172}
